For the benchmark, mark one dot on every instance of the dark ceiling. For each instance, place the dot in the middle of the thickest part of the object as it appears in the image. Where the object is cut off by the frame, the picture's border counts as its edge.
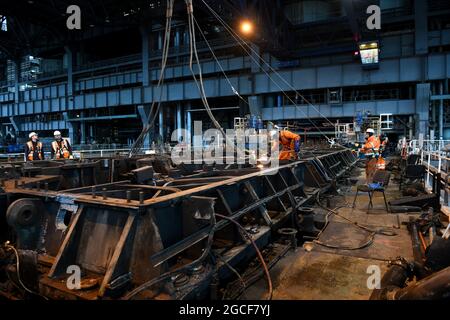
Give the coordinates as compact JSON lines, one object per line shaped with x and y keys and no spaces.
{"x":38,"y":27}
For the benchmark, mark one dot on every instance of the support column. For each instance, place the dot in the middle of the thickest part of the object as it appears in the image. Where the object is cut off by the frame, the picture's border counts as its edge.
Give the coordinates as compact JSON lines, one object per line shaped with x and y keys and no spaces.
{"x":161,"y":124}
{"x":91,"y":131}
{"x":185,"y":37}
{"x":160,"y":40}
{"x":421,"y":26}
{"x":279,"y":101}
{"x":188,"y":125}
{"x":16,"y":80}
{"x":411,"y":131}
{"x":270,"y":101}
{"x":82,"y":129}
{"x":177,"y":42}
{"x":69,"y":126}
{"x":422,"y":107}
{"x":255,"y":105}
{"x":177,"y":39}
{"x":441,"y":111}
{"x":179,"y":124}
{"x":70,"y":62}
{"x":444,"y":134}
{"x":145,"y":56}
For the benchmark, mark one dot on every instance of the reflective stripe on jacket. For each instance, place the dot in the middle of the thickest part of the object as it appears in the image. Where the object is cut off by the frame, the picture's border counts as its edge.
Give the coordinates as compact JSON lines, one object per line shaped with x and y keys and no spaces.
{"x":61,"y":151}
{"x":372,"y":146}
{"x":32,"y":150}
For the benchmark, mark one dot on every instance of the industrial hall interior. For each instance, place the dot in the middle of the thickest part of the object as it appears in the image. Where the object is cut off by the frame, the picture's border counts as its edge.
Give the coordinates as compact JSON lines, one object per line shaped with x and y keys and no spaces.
{"x":206,"y":150}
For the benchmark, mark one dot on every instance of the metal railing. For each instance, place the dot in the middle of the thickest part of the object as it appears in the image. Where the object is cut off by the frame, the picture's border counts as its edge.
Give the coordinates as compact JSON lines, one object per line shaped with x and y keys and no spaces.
{"x":436,"y":160}
{"x":5,"y":157}
{"x":100,"y":153}
{"x":77,"y":154}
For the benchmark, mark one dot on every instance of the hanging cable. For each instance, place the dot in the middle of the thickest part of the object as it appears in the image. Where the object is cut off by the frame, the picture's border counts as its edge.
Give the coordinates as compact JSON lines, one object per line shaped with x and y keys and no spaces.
{"x":218,"y":62}
{"x":238,"y":38}
{"x":241,"y":42}
{"x":156,"y":104}
{"x":199,"y":81}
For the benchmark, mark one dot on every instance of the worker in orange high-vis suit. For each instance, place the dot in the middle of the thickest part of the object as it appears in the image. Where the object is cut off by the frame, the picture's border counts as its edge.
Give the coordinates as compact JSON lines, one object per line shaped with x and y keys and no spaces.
{"x":34,"y":149}
{"x":290,"y":143}
{"x":371,"y":150}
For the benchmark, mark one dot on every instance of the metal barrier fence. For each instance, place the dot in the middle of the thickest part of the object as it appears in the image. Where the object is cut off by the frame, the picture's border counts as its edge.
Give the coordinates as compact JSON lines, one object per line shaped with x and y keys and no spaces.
{"x":436,"y":160}
{"x":78,"y":154}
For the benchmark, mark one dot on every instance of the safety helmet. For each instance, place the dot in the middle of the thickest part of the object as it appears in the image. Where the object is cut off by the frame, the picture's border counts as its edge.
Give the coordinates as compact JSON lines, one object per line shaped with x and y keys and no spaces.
{"x":370,"y":130}
{"x":32,"y":134}
{"x":56,"y":133}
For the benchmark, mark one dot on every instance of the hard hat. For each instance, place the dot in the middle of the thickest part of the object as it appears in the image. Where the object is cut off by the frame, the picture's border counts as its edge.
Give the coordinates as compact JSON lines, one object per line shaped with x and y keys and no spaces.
{"x":56,"y":133}
{"x":32,"y":134}
{"x":370,"y":130}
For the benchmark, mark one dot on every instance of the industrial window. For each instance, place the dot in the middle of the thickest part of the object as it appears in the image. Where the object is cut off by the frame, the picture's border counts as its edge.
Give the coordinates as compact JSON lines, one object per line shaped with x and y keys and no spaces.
{"x":386,"y":121}
{"x":334,"y":96}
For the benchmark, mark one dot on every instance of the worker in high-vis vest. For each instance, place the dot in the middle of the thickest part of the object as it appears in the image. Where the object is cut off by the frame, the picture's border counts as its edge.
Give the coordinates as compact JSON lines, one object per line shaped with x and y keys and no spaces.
{"x":371,"y":149}
{"x":290,"y":143}
{"x":61,"y":148}
{"x":34,"y":149}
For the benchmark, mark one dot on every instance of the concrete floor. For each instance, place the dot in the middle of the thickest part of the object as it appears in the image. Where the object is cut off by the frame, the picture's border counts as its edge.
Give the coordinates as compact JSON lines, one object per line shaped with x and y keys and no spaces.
{"x":336,"y":274}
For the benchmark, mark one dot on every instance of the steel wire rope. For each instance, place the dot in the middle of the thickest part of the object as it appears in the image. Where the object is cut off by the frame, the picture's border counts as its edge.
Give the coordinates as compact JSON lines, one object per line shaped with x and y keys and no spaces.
{"x":137,"y":146}
{"x":238,"y":38}
{"x":199,"y":81}
{"x":240,"y":41}
{"x":218,"y":63}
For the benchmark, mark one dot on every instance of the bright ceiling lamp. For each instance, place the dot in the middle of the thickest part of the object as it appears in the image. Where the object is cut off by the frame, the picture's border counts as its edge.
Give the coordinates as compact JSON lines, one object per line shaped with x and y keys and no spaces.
{"x":246,"y":27}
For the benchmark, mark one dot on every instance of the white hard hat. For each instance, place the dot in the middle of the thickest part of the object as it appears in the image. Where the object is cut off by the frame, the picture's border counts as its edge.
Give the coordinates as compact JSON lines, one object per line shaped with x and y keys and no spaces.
{"x":32,"y":134}
{"x":370,"y":130}
{"x":56,"y":133}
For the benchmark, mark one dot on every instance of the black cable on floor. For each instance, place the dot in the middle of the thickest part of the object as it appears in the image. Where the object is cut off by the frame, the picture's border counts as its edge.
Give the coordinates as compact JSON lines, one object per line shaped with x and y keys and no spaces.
{"x":372,"y":233}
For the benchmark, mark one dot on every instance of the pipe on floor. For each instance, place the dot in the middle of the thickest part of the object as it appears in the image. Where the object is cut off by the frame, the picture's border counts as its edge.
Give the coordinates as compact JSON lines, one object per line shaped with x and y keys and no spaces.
{"x":436,"y":286}
{"x":433,"y":287}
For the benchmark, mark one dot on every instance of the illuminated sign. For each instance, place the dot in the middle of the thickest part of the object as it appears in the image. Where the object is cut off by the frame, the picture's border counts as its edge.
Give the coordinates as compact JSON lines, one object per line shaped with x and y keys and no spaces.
{"x":369,"y":53}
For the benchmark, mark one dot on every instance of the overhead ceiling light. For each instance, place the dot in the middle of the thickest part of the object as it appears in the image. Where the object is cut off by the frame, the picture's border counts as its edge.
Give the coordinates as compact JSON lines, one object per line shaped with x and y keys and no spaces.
{"x":246,"y":27}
